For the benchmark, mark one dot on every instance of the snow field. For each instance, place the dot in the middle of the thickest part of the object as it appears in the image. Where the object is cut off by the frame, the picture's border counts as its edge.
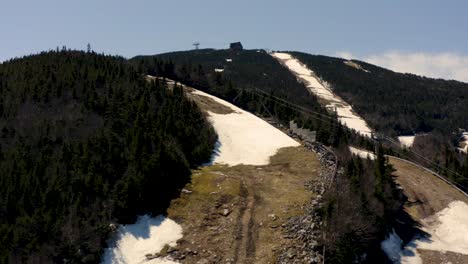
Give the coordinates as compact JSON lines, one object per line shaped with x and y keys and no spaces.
{"x":245,"y":138}
{"x":345,"y":113}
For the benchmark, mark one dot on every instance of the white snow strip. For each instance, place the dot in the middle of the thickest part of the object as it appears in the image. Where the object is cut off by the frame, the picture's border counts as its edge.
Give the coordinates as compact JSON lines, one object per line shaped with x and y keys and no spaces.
{"x":219,"y":70}
{"x":321,"y":89}
{"x":447,"y":229}
{"x":364,"y":154}
{"x":406,"y":141}
{"x":147,"y":236}
{"x":245,"y":138}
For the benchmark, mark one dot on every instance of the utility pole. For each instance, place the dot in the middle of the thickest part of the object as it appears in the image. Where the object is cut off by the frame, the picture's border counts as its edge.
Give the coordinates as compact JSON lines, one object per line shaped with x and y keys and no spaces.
{"x":196,"y":44}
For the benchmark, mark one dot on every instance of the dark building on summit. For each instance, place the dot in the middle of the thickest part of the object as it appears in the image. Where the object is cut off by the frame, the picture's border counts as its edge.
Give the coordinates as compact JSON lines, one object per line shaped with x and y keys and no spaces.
{"x":236,"y":46}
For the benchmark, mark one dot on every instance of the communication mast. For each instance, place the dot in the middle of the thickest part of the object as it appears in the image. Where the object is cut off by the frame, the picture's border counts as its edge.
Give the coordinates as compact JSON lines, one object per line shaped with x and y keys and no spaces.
{"x":196,"y":44}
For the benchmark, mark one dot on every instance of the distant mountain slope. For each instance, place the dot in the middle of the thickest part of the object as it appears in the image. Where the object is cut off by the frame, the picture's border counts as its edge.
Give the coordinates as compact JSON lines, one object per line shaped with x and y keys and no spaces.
{"x":85,"y":142}
{"x":246,"y":69}
{"x":394,"y":103}
{"x":243,"y":71}
{"x":403,"y":104}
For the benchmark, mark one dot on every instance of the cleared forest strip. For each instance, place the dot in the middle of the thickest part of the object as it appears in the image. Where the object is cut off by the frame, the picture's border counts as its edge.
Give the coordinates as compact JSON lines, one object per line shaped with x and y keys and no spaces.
{"x":327,"y":97}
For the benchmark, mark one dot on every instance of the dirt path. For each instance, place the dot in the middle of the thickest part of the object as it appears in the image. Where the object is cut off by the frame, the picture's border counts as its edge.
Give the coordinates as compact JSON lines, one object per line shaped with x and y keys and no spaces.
{"x":235,"y":214}
{"x":245,"y":248}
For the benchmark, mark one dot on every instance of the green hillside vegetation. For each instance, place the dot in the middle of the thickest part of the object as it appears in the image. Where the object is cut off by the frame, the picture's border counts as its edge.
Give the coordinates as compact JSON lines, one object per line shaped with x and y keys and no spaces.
{"x":85,"y":142}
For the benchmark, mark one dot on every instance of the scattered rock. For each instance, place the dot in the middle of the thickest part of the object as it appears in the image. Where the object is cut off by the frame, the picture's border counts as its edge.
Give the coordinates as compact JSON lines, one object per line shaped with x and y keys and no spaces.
{"x":272,"y":217}
{"x":171,"y":249}
{"x":306,"y":229}
{"x":186,"y":191}
{"x":225,"y":212}
{"x":150,"y":256}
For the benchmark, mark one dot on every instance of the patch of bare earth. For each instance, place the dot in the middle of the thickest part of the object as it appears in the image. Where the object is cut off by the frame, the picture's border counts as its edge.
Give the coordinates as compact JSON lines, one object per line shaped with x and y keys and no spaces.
{"x":209,"y":105}
{"x":427,"y":195}
{"x":431,"y":256}
{"x":236,"y":214}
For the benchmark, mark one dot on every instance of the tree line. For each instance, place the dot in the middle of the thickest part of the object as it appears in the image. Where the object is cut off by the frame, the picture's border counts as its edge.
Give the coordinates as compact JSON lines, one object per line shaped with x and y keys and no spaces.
{"x":86,"y":142}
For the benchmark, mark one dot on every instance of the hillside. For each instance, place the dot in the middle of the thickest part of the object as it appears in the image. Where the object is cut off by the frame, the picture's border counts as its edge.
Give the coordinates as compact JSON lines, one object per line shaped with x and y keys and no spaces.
{"x":279,"y":104}
{"x":254,"y":81}
{"x":394,"y":103}
{"x":87,"y":143}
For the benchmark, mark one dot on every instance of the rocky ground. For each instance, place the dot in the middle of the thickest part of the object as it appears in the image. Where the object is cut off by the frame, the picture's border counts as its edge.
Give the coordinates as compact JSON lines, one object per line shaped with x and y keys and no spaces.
{"x":306,"y":228}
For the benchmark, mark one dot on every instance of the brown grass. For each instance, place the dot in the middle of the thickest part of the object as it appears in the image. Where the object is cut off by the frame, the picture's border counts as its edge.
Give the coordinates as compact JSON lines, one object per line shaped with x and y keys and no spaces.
{"x":426,"y":193}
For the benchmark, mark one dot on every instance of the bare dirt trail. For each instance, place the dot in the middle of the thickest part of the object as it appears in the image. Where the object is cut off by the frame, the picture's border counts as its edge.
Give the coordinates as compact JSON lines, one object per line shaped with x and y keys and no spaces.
{"x":236,"y":214}
{"x":427,"y":194}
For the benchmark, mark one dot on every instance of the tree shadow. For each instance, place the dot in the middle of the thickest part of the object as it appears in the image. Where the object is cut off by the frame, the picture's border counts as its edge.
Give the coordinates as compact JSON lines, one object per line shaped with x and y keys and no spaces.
{"x":408,"y":230}
{"x":141,"y":229}
{"x":215,"y":154}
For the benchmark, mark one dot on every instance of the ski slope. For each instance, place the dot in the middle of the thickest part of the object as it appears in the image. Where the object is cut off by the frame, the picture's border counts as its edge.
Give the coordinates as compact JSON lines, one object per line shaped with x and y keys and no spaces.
{"x":243,"y":137}
{"x":345,"y":112}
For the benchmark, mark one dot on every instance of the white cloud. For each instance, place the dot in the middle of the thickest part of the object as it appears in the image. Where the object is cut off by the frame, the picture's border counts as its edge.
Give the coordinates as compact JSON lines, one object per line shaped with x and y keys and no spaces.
{"x":445,"y":65}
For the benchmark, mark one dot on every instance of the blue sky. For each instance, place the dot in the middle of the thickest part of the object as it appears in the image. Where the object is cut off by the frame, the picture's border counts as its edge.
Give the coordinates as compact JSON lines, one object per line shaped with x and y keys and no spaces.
{"x":361,"y":29}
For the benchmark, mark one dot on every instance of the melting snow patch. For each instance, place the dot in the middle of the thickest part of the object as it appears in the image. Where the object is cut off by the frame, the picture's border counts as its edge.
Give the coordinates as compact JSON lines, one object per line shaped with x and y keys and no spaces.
{"x":321,"y":89}
{"x":364,"y":154}
{"x":245,"y":138}
{"x":406,"y":141}
{"x":147,"y":236}
{"x":448,"y":231}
